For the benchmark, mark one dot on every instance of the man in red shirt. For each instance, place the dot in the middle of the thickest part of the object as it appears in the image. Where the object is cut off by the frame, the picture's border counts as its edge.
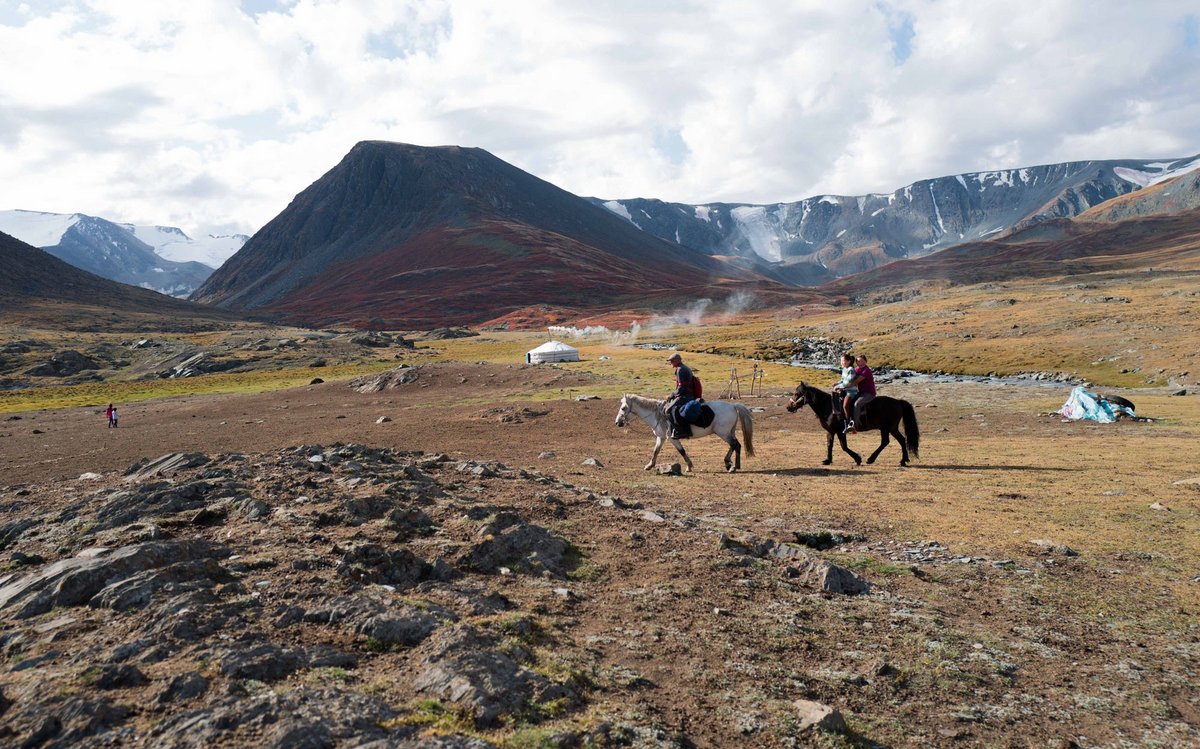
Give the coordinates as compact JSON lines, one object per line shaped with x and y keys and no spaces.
{"x":864,"y":380}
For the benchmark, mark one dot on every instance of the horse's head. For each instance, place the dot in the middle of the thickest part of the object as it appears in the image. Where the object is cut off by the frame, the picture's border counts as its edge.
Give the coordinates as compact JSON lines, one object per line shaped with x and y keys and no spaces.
{"x":799,"y":398}
{"x":623,"y":411}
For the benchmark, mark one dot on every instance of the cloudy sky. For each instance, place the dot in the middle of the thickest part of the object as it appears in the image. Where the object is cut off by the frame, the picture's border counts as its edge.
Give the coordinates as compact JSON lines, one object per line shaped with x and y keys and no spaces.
{"x":212,"y":114}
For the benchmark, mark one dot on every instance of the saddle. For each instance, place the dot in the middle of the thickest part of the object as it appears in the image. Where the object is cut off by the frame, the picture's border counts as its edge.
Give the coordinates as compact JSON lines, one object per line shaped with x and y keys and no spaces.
{"x":697,"y":413}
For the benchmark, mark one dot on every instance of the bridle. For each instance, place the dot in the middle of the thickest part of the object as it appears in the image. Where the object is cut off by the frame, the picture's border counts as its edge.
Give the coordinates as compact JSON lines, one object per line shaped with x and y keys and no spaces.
{"x":623,"y":412}
{"x":799,"y":400}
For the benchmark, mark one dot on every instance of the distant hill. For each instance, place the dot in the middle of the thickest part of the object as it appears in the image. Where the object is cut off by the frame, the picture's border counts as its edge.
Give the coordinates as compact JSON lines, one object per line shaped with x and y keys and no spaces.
{"x":1054,"y":248}
{"x":828,"y":236}
{"x":111,"y":250}
{"x":406,"y":236}
{"x":38,"y":287}
{"x":1165,"y":198}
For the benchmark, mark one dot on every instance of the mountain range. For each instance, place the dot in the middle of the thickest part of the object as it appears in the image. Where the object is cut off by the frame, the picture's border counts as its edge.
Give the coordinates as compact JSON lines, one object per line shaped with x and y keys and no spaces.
{"x":402,"y":236}
{"x":162,"y":259}
{"x":828,"y":236}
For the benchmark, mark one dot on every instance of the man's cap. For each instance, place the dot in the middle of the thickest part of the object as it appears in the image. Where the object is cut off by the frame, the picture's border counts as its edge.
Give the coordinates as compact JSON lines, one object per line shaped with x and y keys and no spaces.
{"x":674,"y":356}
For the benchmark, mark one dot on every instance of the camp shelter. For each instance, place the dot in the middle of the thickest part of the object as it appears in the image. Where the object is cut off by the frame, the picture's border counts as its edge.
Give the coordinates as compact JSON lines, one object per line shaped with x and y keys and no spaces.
{"x":552,"y":351}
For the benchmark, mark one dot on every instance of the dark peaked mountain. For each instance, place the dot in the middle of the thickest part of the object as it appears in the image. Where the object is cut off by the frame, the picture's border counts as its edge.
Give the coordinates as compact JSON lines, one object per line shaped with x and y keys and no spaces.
{"x":404,"y":235}
{"x":828,"y":236}
{"x":37,"y":285}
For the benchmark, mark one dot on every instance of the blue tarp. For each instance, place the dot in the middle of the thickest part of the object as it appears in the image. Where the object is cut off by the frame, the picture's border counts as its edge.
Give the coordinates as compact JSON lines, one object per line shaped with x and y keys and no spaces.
{"x":1082,"y":404}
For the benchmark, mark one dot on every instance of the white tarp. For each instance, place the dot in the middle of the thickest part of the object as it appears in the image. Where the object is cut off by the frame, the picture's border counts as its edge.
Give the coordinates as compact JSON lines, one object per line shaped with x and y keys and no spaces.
{"x":552,"y":351}
{"x":1082,"y":404}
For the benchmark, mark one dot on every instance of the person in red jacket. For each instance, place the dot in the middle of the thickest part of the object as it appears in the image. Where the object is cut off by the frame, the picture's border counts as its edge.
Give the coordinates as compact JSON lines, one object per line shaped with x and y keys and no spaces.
{"x":864,"y":380}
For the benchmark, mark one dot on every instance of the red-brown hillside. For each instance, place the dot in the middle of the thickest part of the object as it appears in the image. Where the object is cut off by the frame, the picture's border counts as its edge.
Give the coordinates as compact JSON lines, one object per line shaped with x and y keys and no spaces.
{"x":1052,"y":248}
{"x":406,"y":236}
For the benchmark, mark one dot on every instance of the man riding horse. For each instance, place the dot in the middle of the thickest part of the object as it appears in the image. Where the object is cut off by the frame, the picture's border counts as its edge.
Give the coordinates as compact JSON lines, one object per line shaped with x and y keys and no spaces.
{"x":685,"y":391}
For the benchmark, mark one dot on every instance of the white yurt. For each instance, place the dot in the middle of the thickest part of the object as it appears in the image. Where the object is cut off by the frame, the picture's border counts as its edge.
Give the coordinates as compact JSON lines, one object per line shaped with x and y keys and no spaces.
{"x":551,"y":351}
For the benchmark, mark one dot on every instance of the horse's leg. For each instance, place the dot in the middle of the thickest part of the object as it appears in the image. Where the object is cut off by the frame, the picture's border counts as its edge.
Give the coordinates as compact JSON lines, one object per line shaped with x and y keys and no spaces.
{"x":903,"y":444}
{"x":845,"y":448}
{"x":658,"y":442}
{"x":882,"y":444}
{"x":735,"y":449}
{"x":679,"y":446}
{"x":829,"y":448}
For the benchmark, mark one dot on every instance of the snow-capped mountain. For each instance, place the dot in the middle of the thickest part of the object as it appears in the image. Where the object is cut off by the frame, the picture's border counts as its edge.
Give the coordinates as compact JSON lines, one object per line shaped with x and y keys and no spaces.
{"x":169,"y":242}
{"x":105,"y":248}
{"x":826,"y":236}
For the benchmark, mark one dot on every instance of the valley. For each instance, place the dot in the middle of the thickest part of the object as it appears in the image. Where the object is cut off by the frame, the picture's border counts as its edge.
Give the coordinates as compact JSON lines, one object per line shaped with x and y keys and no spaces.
{"x":1027,"y":577}
{"x":339,"y":510}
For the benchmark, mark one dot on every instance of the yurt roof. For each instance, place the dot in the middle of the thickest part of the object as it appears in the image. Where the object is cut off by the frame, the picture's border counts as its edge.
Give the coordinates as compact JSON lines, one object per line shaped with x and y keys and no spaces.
{"x":549,"y":346}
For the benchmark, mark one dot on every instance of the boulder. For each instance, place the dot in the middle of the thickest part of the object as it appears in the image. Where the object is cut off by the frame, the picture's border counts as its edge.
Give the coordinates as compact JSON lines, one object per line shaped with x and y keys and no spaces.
{"x":371,"y":563}
{"x":117,"y":676}
{"x":64,"y":364}
{"x":520,"y":546}
{"x":166,"y":466}
{"x":258,"y":659}
{"x":464,"y":667}
{"x":388,"y":380}
{"x":819,"y":717}
{"x":182,"y":687}
{"x":75,"y":581}
{"x":300,"y":718}
{"x":829,"y":578}
{"x":398,"y":628}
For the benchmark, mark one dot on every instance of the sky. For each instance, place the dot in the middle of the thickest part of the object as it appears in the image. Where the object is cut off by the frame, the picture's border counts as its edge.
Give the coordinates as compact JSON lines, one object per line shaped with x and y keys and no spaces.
{"x":211,"y":115}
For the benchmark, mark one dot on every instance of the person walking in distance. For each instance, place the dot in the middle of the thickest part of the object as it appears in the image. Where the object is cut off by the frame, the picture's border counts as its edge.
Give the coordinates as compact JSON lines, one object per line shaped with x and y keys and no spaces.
{"x":110,"y":416}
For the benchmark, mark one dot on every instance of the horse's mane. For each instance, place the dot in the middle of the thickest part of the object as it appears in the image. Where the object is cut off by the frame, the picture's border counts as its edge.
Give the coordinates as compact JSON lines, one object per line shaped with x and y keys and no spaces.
{"x":643,"y":401}
{"x":810,"y":390}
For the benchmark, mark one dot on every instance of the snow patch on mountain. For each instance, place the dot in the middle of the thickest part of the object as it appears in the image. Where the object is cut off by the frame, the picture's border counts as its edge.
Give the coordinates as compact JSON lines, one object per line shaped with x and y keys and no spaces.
{"x":1155,"y":172}
{"x":758,"y":231}
{"x":173,"y":244}
{"x":37,"y":228}
{"x":619,"y":209}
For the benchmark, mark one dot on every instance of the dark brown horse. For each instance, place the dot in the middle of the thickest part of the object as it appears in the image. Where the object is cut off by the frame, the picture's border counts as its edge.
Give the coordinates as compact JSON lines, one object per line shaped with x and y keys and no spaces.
{"x":883,"y":413}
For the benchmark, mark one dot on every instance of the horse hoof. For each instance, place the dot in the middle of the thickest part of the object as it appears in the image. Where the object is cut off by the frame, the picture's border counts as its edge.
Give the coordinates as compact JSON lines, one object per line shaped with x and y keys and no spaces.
{"x":647,"y":467}
{"x":826,"y":462}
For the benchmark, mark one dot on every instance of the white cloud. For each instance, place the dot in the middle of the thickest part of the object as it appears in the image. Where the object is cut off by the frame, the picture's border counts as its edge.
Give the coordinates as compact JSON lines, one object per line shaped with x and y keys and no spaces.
{"x":213,"y":114}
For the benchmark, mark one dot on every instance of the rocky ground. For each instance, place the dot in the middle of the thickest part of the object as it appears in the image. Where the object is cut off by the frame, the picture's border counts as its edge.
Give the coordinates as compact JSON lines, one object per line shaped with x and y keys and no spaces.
{"x":256,"y":588}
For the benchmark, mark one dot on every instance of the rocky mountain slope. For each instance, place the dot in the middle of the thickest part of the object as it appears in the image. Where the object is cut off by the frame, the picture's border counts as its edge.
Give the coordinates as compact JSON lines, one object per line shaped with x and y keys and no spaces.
{"x":829,"y":236}
{"x":1165,"y":198}
{"x":1053,"y":248}
{"x":109,"y":250}
{"x":405,"y":236}
{"x":37,"y":285}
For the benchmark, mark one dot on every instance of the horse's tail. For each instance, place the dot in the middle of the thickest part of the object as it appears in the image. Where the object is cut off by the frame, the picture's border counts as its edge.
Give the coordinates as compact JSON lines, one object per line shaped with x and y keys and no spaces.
{"x":747,"y":422}
{"x":911,"y":432}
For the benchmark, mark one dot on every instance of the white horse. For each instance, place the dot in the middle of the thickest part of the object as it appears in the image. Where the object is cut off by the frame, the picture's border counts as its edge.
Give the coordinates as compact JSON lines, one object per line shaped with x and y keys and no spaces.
{"x":728,"y":416}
